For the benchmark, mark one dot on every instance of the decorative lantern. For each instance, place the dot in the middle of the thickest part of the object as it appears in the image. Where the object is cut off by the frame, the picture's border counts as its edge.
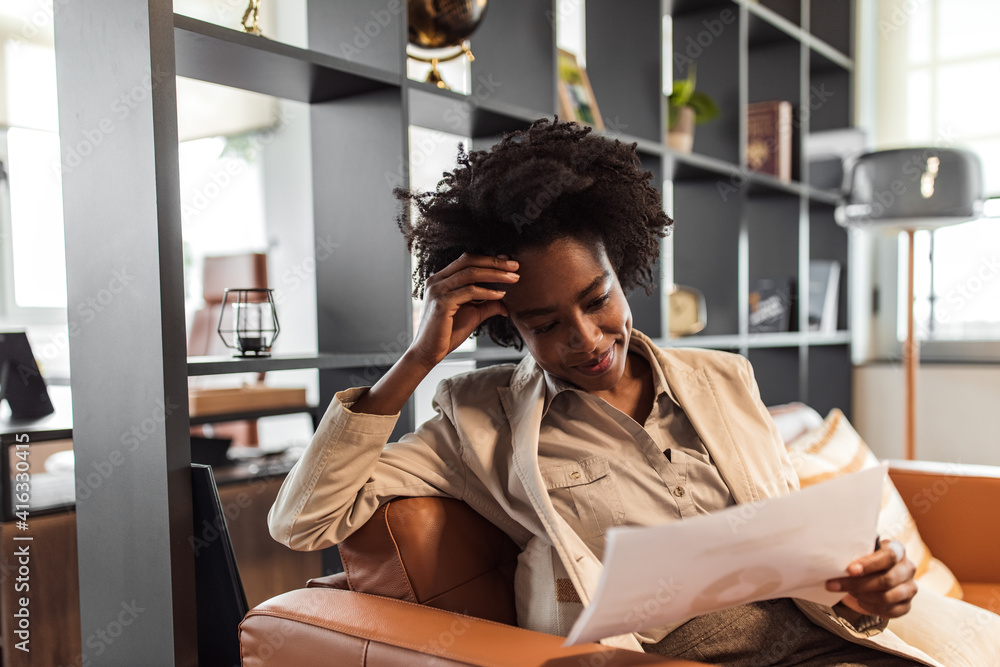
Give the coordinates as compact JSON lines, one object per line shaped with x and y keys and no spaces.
{"x":252,"y":325}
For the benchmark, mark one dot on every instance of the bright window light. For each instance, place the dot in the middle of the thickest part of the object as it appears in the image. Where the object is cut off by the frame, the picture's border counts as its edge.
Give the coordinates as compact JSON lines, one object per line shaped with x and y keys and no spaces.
{"x":36,"y":219}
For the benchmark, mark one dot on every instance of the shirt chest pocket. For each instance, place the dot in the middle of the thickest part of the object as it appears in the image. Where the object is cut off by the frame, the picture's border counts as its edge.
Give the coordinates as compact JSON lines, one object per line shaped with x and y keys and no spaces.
{"x":586,"y":495}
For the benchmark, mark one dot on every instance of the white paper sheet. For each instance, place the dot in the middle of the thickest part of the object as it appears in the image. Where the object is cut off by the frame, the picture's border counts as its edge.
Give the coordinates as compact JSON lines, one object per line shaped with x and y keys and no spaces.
{"x":783,"y":547}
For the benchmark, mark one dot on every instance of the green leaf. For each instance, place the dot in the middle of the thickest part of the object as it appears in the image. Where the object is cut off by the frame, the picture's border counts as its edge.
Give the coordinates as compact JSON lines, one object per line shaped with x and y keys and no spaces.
{"x":682,"y":91}
{"x":705,"y":108}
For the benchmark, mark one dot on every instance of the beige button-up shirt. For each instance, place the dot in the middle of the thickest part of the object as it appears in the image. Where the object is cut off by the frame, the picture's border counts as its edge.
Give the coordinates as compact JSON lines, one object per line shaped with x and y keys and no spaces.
{"x":603,"y":469}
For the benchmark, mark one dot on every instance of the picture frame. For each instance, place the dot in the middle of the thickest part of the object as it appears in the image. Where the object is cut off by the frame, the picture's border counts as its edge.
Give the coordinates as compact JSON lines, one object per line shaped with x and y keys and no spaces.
{"x":576,"y":97}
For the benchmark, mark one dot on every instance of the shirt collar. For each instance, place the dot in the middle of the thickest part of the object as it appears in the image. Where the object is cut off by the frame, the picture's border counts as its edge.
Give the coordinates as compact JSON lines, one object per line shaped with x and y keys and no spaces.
{"x":639,"y":344}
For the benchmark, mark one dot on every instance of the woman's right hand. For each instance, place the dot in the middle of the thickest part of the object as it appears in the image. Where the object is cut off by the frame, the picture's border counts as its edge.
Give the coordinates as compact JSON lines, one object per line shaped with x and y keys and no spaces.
{"x":454,"y":304}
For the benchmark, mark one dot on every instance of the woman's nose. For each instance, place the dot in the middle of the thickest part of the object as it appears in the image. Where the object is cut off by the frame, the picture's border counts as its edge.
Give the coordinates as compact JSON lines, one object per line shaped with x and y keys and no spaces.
{"x":585,"y":335}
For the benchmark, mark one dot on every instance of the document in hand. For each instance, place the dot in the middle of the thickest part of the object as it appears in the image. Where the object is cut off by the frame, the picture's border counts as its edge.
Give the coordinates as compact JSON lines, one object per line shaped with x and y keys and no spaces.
{"x":656,"y":576}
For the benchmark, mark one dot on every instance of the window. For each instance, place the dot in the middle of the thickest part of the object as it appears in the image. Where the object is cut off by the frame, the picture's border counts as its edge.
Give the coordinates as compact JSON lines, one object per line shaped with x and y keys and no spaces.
{"x":32,"y":263}
{"x":936,"y":67}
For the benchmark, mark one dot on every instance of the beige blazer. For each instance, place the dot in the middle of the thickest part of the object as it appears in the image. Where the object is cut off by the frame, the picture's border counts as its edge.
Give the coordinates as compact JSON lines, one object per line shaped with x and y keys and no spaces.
{"x":482,"y":447}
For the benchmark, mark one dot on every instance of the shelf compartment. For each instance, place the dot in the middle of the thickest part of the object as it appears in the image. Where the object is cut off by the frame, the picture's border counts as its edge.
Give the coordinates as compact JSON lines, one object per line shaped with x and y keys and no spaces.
{"x":627,"y":82}
{"x":828,"y":240}
{"x":767,"y":26}
{"x":779,"y":53}
{"x":515,"y":49}
{"x":372,"y":32}
{"x":773,"y":228}
{"x":778,"y":372}
{"x":830,"y":95}
{"x":827,"y":25}
{"x":711,"y":38}
{"x":706,"y":250}
{"x":829,"y":382}
{"x":464,"y":115}
{"x":208,"y":52}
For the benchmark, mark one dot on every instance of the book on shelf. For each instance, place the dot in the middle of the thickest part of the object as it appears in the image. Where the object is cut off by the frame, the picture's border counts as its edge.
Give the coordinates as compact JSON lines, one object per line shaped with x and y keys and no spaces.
{"x":771,"y":302}
{"x":769,"y":138}
{"x":824,"y":288}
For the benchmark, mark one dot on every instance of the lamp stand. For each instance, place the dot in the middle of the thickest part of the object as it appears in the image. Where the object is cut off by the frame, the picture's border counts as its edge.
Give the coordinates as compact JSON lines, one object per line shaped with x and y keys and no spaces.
{"x":911,"y":360}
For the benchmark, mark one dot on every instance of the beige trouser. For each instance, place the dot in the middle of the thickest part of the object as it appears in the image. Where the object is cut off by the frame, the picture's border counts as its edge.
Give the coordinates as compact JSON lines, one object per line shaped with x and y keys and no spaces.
{"x":772,"y":633}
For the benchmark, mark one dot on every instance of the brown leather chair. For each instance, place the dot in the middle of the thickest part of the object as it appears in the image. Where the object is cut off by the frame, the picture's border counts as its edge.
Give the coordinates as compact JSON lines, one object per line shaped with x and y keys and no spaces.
{"x":426,"y":581}
{"x":957,"y":510}
{"x":429,"y":581}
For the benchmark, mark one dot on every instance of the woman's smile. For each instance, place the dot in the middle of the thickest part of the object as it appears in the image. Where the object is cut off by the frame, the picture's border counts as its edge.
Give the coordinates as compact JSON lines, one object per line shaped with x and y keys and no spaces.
{"x":599,"y":365}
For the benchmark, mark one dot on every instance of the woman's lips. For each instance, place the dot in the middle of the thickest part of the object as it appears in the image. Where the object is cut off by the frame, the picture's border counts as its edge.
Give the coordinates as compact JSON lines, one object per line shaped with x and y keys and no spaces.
{"x":600,"y":365}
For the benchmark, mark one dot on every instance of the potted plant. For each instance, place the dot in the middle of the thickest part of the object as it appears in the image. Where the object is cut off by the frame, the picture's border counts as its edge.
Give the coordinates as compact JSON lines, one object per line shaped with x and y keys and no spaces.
{"x":687,"y":107}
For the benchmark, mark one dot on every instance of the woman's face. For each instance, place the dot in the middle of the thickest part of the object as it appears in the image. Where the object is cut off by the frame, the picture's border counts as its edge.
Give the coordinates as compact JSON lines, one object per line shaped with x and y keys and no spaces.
{"x":572,"y":313}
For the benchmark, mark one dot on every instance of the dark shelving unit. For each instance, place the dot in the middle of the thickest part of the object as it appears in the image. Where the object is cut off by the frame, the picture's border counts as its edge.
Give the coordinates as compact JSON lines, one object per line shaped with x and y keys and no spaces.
{"x":732,"y":225}
{"x":754,"y":225}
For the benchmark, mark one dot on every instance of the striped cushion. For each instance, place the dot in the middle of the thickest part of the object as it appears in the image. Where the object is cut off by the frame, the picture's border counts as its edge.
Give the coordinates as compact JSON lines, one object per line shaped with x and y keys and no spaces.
{"x":835,"y":449}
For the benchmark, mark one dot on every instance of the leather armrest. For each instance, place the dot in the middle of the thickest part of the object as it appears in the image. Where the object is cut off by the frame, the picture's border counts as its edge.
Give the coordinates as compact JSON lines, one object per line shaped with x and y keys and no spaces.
{"x":319,"y":626}
{"x":956,"y":508}
{"x":338,"y":580}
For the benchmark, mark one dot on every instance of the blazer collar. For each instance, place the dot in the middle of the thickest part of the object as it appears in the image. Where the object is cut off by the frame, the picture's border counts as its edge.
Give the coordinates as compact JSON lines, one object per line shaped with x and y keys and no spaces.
{"x":692,"y":389}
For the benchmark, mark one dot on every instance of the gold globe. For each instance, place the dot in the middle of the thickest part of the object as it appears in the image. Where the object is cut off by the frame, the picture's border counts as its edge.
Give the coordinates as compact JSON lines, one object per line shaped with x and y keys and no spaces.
{"x":440,"y":24}
{"x":437,"y":24}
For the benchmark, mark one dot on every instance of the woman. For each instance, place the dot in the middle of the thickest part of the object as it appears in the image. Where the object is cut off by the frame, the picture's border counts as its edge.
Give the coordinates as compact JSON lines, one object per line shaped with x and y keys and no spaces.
{"x":535,"y":243}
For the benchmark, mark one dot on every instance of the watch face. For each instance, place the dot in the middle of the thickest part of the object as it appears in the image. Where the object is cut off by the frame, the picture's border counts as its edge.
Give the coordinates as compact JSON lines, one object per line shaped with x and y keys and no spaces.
{"x":686,"y":311}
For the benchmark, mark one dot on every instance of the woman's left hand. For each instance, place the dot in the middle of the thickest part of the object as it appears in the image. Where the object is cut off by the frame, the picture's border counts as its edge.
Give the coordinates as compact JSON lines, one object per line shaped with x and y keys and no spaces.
{"x":880,"y":583}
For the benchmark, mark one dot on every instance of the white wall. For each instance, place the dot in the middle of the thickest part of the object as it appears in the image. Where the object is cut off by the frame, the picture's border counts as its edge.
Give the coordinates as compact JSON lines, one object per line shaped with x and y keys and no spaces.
{"x":958,"y":411}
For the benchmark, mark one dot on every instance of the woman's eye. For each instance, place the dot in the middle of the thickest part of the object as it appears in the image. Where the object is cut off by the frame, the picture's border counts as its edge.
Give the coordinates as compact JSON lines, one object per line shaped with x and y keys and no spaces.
{"x":600,"y":301}
{"x":543,"y":329}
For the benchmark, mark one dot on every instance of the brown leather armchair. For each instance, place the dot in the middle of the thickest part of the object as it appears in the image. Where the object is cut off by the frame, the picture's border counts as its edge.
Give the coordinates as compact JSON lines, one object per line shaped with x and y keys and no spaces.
{"x":426,"y":581}
{"x":451,"y":572}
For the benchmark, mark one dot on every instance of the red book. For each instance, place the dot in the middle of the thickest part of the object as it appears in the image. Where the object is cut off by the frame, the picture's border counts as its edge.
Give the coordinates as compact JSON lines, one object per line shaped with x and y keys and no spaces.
{"x":769,"y":138}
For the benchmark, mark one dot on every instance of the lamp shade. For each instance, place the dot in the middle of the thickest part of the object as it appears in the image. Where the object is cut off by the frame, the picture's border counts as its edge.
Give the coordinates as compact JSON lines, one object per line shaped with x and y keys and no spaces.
{"x":912,"y":188}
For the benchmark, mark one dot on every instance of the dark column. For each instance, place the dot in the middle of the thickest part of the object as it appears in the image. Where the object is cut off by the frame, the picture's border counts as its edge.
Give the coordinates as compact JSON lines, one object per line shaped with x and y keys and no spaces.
{"x":118,"y":128}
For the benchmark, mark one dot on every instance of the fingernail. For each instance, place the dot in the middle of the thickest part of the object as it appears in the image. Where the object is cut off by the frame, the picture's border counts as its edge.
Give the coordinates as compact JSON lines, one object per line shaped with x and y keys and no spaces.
{"x":503,"y":257}
{"x":513,"y":275}
{"x":833,"y":585}
{"x":855,"y":568}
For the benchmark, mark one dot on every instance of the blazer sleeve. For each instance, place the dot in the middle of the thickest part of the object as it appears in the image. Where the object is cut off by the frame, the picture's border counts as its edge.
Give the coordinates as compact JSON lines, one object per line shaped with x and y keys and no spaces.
{"x":349,"y":469}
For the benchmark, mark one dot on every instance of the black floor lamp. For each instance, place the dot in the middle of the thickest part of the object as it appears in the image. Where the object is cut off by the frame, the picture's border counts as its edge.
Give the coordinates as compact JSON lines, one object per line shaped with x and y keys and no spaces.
{"x":906,"y":190}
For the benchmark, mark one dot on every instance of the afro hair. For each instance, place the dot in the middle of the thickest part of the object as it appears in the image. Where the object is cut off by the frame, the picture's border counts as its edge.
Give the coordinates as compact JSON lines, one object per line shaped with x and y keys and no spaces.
{"x":553,"y":180}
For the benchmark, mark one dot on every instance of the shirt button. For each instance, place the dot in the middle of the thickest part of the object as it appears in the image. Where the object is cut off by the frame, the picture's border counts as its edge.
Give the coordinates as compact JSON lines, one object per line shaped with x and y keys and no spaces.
{"x":678,"y":491}
{"x":575,"y":475}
